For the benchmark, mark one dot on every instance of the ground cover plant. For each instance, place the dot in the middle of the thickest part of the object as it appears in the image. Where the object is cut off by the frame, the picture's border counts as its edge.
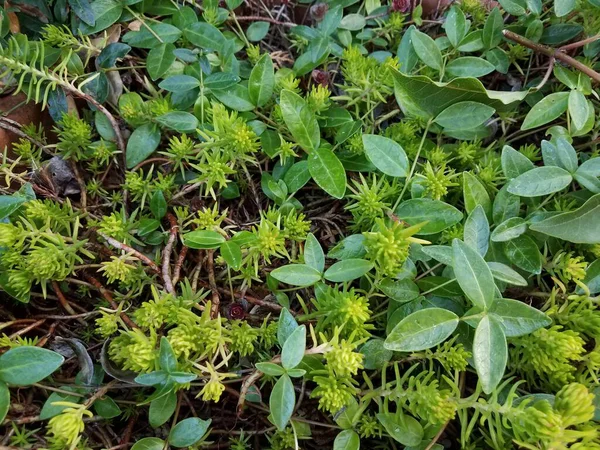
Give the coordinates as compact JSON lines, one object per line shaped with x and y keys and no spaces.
{"x":299,"y":225}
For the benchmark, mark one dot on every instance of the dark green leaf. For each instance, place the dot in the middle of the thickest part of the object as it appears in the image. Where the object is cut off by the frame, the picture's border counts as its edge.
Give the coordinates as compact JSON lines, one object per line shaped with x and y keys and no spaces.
{"x":286,"y":325}
{"x":4,"y":401}
{"x":220,"y":80}
{"x":427,"y":50}
{"x":149,"y":443}
{"x":181,"y":121}
{"x":523,"y":252}
{"x":161,"y":409}
{"x":297,"y":176}
{"x":401,"y":291}
{"x":106,"y":12}
{"x":257,"y":31}
{"x":509,"y":229}
{"x":504,"y":273}
{"x":158,"y":205}
{"x":83,"y":10}
{"x":232,"y":254}
{"x":262,"y":81}
{"x":206,"y":36}
{"x":402,"y":428}
{"x":313,"y":253}
{"x":347,"y":440}
{"x":142,"y":143}
{"x":106,"y":408}
{"x":159,"y":60}
{"x":375,"y":354}
{"x":456,"y":25}
{"x":469,"y":66}
{"x":477,"y":231}
{"x":546,"y":110}
{"x":236,"y":97}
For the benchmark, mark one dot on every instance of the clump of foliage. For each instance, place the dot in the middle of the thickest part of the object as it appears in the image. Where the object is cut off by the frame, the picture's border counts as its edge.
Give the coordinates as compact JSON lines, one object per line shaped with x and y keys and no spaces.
{"x":320,"y":225}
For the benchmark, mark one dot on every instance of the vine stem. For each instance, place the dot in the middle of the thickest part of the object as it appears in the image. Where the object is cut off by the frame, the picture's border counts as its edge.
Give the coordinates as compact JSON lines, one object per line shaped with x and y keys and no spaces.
{"x":128,"y":249}
{"x":167,"y":254}
{"x":553,"y":53}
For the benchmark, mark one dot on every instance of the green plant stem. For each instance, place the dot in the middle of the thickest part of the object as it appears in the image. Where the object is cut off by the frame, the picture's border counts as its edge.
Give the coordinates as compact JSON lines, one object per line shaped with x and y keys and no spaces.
{"x":413,"y":167}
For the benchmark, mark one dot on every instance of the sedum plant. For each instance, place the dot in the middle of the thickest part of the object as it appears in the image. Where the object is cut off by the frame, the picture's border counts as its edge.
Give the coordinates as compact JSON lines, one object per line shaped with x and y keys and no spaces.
{"x":308,"y":225}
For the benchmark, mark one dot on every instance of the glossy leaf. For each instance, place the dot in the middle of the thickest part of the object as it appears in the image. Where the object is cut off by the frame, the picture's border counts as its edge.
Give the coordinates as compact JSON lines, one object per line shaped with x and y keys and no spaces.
{"x":427,"y":50}
{"x":282,"y":402}
{"x":328,"y":172}
{"x":300,"y":120}
{"x":188,"y":432}
{"x":348,"y":270}
{"x":523,"y":252}
{"x":402,"y":428}
{"x":313,"y":253}
{"x":422,"y":330}
{"x":540,"y":181}
{"x":203,"y":239}
{"x":387,"y":155}
{"x":347,"y":440}
{"x":477,"y":231}
{"x":297,"y":275}
{"x":437,"y":214}
{"x":142,"y":143}
{"x":159,"y":60}
{"x":464,"y":115}
{"x":517,"y":318}
{"x":546,"y":110}
{"x":22,"y":366}
{"x":262,"y":81}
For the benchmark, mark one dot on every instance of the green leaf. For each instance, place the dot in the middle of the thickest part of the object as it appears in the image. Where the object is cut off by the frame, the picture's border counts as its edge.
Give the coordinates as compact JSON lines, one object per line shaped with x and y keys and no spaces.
{"x":588,"y":175}
{"x":509,"y":229}
{"x":425,"y":98}
{"x":285,"y":326}
{"x":232,"y":254}
{"x":328,"y":172}
{"x":179,"y":83}
{"x":517,"y":318}
{"x":282,"y":402}
{"x":592,"y":278}
{"x":375,"y":354}
{"x":353,"y":22}
{"x":422,"y":330}
{"x":181,"y":121}
{"x":477,"y":231}
{"x":83,"y":10}
{"x":540,"y":181}
{"x":144,"y":38}
{"x":456,"y":26}
{"x":504,"y":273}
{"x":473,"y":275}
{"x":490,"y":353}
{"x":257,"y":31}
{"x":159,"y":60}
{"x":492,"y":29}
{"x":401,"y":291}
{"x":348,"y":270}
{"x":142,"y":143}
{"x":387,"y":155}
{"x":313,"y":253}
{"x":347,"y":440}
{"x":236,"y":97}
{"x":188,"y":432}
{"x":561,"y":155}
{"x":300,"y":120}
{"x":293,"y":349}
{"x":220,"y":80}
{"x":402,"y":428}
{"x":167,"y":357}
{"x":546,"y":110}
{"x":514,"y":163}
{"x":4,"y":401}
{"x":106,"y":12}
{"x":523,"y":252}
{"x":9,"y":204}
{"x":427,"y":51}
{"x":514,"y":7}
{"x":475,"y":194}
{"x":106,"y":408}
{"x":579,"y":226}
{"x":22,"y":366}
{"x":437,"y":214}
{"x":206,"y":36}
{"x":50,"y":410}
{"x":271,"y":369}
{"x":149,"y":443}
{"x":563,"y":7}
{"x":262,"y":81}
{"x":441,"y":253}
{"x":506,"y":205}
{"x":578,"y":108}
{"x":297,"y":275}
{"x":158,"y":205}
{"x":469,"y":66}
{"x":464,"y":115}
{"x":161,"y":409}
{"x":203,"y":239}
{"x":297,"y":176}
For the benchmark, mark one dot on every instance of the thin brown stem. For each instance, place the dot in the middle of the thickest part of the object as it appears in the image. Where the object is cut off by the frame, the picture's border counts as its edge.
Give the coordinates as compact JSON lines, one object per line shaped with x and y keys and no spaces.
{"x":109,"y":298}
{"x":580,"y":43}
{"x":264,"y":19}
{"x":166,"y":261}
{"x":552,"y":53}
{"x":216,"y":301}
{"x":128,"y":249}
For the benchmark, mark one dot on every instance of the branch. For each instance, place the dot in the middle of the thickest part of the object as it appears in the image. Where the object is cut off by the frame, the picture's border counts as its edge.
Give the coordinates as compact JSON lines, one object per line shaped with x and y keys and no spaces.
{"x":131,"y":250}
{"x":109,"y":298}
{"x":552,"y":53}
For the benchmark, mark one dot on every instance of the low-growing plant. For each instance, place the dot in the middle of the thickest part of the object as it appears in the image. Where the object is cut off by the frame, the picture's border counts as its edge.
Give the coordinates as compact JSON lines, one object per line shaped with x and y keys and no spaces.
{"x":302,"y":225}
